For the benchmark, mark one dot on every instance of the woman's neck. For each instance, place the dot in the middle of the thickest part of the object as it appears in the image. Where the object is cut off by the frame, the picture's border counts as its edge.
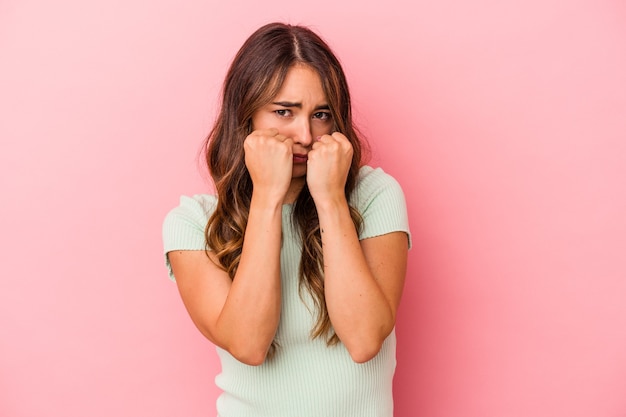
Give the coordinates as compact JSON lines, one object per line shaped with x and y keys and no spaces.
{"x":294,"y":190}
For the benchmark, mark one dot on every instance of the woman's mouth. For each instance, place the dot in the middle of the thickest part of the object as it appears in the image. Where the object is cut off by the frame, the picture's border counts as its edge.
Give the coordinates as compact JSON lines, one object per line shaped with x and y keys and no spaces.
{"x":299,"y":158}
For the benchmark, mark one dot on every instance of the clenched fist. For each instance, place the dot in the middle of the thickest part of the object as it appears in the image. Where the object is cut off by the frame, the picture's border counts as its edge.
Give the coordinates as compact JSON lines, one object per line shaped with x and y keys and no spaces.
{"x":269,"y":159}
{"x":328,"y":165}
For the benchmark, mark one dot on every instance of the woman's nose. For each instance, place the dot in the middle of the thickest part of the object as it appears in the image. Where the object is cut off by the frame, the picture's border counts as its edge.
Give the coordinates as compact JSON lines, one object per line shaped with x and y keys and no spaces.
{"x":303,"y":135}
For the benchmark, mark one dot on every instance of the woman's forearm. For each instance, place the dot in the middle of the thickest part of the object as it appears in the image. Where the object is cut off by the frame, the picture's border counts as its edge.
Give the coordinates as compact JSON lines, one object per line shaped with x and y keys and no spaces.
{"x":361,"y":314}
{"x":251,"y":312}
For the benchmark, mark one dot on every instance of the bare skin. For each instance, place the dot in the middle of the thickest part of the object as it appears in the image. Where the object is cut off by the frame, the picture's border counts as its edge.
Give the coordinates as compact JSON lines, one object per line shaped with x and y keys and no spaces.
{"x":293,"y":143}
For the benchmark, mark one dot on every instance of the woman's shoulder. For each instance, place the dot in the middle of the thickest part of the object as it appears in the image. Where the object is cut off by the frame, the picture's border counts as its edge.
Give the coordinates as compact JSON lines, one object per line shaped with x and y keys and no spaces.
{"x":376,"y":190}
{"x":195,"y":207}
{"x":183,"y":226}
{"x":198,"y":201}
{"x":371,"y":180}
{"x":380,"y":200}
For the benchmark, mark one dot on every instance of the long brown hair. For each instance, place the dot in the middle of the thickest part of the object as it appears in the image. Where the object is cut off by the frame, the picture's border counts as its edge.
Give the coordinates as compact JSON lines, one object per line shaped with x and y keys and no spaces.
{"x":253,"y":79}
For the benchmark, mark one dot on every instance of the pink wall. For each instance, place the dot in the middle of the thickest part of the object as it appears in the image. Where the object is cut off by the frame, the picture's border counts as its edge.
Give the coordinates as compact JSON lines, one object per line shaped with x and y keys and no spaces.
{"x":504,"y":121}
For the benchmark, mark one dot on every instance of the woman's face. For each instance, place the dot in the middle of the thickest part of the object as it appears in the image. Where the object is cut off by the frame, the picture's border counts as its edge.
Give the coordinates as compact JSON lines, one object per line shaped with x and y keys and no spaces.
{"x":299,"y":111}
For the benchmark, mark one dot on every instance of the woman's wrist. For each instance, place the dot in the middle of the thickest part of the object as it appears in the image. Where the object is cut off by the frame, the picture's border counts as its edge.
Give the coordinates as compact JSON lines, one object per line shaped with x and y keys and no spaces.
{"x":269,"y":199}
{"x":331,"y":205}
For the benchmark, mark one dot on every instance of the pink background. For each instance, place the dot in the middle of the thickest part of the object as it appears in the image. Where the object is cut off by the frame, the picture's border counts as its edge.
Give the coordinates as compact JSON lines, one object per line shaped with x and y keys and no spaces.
{"x":505,"y":122}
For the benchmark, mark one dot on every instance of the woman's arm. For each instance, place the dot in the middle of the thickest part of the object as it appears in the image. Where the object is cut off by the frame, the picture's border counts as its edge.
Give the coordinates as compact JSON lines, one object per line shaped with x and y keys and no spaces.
{"x":363,"y":279}
{"x":242,"y":315}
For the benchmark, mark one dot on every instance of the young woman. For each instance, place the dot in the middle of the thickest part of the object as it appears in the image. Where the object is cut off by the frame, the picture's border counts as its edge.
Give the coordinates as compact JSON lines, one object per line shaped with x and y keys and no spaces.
{"x":295,"y":269}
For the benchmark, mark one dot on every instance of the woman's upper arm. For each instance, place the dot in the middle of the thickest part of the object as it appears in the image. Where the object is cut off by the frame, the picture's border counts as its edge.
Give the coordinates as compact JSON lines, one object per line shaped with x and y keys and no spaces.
{"x":203,"y":287}
{"x":386,"y":256}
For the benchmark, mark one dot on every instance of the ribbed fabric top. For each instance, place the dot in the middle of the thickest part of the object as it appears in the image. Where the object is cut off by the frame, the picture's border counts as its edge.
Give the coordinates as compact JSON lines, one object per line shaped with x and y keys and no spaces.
{"x":305,"y":378}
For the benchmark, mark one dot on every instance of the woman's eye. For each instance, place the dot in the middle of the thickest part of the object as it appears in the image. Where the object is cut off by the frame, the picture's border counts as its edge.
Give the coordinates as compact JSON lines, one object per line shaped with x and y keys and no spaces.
{"x":283,"y":112}
{"x":322,"y":115}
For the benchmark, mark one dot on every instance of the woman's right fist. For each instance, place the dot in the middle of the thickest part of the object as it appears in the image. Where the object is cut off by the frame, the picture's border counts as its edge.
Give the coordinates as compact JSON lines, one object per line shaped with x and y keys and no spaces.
{"x":269,"y":159}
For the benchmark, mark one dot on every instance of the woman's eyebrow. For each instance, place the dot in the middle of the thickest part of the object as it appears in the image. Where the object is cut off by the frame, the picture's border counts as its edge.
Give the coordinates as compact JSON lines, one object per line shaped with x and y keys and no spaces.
{"x":288,"y":104}
{"x":299,"y":105}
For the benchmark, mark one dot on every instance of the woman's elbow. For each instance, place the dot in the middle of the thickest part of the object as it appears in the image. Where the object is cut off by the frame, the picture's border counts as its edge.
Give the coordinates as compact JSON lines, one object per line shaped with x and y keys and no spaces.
{"x":364,"y":348}
{"x":250,"y":358}
{"x":249,"y":355}
{"x":242,"y":350}
{"x":364,"y":352}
